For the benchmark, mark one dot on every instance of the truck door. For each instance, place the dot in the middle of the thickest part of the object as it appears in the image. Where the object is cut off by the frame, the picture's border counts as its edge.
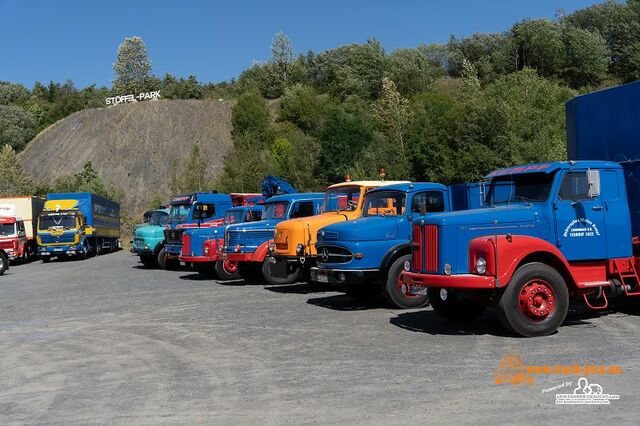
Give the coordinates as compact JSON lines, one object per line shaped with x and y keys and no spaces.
{"x":580,"y":220}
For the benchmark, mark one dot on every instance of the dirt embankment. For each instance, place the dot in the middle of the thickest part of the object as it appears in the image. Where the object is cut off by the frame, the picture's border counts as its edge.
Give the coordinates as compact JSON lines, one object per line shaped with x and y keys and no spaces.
{"x":133,"y":145}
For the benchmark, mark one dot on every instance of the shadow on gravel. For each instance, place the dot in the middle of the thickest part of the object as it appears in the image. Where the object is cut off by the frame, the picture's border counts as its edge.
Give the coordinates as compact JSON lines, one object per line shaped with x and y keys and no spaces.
{"x":342,"y":302}
{"x":298,"y":288}
{"x":431,"y":323}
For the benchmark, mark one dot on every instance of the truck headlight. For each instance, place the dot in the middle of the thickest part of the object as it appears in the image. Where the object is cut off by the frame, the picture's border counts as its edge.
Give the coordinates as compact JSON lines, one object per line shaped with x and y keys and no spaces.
{"x":272,"y":247}
{"x":299,"y":248}
{"x":481,"y":265}
{"x":205,"y":250}
{"x":406,"y":266}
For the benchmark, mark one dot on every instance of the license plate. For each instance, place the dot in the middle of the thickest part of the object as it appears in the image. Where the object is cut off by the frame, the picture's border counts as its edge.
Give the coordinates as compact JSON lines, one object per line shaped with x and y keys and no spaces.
{"x":418,"y":291}
{"x":321,"y":277}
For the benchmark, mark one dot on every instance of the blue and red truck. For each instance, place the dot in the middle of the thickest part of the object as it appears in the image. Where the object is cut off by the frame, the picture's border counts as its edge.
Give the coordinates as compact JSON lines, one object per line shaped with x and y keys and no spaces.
{"x":551,"y":231}
{"x":365,"y":256}
{"x":197,"y":210}
{"x":247,"y":244}
{"x":202,"y":247}
{"x":77,"y":224}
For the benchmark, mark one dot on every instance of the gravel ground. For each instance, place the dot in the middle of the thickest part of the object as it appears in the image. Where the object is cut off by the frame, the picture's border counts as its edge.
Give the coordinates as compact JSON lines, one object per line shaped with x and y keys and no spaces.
{"x":106,"y":341}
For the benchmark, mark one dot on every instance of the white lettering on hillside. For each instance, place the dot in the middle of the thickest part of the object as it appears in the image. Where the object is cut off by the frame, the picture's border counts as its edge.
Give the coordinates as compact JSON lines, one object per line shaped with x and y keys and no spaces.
{"x":115,"y":100}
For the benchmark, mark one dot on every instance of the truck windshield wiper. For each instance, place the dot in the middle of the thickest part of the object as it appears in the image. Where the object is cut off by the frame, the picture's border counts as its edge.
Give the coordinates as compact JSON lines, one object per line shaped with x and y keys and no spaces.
{"x":523,"y":198}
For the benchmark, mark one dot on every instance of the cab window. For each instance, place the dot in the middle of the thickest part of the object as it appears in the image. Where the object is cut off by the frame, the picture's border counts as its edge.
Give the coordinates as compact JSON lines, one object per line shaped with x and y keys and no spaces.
{"x":302,"y":209}
{"x":384,"y":203}
{"x":574,"y":187}
{"x":433,"y":201}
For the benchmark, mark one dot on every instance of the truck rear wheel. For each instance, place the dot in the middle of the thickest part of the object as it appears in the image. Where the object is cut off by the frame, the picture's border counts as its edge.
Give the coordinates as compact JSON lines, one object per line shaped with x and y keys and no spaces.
{"x":453,"y":307}
{"x":251,"y":272}
{"x":4,"y":263}
{"x":535,"y":302}
{"x":393,"y":287}
{"x":227,"y":270}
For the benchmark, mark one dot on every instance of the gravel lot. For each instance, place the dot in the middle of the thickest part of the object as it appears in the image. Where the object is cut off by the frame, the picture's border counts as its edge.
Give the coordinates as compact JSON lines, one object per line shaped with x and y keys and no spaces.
{"x":105,"y":341}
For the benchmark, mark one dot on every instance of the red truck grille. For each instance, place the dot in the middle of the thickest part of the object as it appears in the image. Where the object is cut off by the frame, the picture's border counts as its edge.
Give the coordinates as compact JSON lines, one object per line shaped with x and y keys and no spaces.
{"x":431,"y":248}
{"x":416,"y":260}
{"x":186,"y":244}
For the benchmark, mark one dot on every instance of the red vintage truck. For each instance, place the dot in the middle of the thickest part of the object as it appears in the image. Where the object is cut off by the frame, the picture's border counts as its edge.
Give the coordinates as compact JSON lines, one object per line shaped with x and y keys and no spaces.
{"x":18,"y":220}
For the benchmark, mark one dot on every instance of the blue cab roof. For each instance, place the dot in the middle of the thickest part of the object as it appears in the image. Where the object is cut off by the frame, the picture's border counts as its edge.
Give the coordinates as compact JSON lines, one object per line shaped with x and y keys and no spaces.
{"x":297,"y":196}
{"x":190,"y":198}
{"x":410,"y":187}
{"x":551,"y":167}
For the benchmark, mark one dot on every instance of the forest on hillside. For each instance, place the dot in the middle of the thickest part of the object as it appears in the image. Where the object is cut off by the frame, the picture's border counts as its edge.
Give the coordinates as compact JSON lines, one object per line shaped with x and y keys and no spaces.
{"x":439,"y":112}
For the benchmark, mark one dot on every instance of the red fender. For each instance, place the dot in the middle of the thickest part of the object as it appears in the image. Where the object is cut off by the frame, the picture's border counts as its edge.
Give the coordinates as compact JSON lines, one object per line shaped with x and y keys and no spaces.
{"x":511,"y":249}
{"x":261,"y":252}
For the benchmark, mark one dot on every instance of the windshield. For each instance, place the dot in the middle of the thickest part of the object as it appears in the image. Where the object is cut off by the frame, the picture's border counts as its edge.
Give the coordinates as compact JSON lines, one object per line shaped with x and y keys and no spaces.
{"x":7,"y":229}
{"x":146,"y":217}
{"x":525,"y":187}
{"x":62,"y":221}
{"x":158,"y":218}
{"x":277,"y":210}
{"x":179,"y":213}
{"x":344,"y":198}
{"x":387,"y":203}
{"x":233,"y":216}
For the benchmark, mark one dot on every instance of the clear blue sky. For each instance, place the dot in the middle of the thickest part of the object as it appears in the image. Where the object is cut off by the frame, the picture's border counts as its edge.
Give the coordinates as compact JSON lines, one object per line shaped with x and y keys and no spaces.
{"x":216,"y":40}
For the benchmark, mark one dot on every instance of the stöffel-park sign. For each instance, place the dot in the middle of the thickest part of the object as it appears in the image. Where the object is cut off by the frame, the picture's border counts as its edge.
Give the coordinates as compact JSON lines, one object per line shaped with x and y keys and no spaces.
{"x":115,"y":100}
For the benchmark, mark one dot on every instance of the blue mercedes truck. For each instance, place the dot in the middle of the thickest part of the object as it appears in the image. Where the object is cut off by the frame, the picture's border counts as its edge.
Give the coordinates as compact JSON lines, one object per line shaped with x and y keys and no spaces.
{"x":550,"y":231}
{"x":365,"y":256}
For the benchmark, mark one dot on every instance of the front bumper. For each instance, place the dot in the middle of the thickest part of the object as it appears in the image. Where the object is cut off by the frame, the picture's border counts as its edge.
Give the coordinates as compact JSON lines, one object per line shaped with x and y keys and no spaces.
{"x":416,"y":282}
{"x":349,"y":277}
{"x":60,"y":250}
{"x":198,"y":259}
{"x":281,"y":265}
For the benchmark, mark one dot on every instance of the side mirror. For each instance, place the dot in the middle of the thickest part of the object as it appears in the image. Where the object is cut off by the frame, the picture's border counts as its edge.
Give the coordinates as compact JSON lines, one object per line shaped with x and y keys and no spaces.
{"x":593,"y":180}
{"x":198,"y":211}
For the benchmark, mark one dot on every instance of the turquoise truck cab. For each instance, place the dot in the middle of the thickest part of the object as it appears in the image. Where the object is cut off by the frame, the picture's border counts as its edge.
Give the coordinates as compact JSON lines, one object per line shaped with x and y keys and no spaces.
{"x":148,"y":238}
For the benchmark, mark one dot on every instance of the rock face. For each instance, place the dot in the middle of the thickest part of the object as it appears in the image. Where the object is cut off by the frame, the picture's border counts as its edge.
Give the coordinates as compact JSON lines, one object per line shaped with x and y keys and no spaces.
{"x":133,"y":145}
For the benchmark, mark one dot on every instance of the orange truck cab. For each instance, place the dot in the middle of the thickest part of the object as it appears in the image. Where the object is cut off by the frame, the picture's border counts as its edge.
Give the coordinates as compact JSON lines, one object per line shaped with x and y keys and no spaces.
{"x":293,"y":252}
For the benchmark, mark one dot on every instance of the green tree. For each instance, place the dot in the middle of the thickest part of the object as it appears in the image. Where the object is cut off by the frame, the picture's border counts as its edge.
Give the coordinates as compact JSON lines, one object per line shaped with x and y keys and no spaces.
{"x":17,"y":126}
{"x":411,"y":71}
{"x":587,"y":57}
{"x":302,"y":106}
{"x":14,"y":180}
{"x":281,"y":63}
{"x":393,"y":117}
{"x":132,"y":67}
{"x":11,"y":93}
{"x":346,"y":131}
{"x":356,"y":69}
{"x":540,"y":46}
{"x":619,"y":25}
{"x":251,"y":116}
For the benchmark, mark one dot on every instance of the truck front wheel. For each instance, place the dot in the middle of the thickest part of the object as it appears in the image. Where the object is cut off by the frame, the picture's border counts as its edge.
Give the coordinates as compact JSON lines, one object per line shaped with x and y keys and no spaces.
{"x":535,"y":302}
{"x":291,"y":277}
{"x":393,"y":288}
{"x":227,"y":270}
{"x":4,"y":263}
